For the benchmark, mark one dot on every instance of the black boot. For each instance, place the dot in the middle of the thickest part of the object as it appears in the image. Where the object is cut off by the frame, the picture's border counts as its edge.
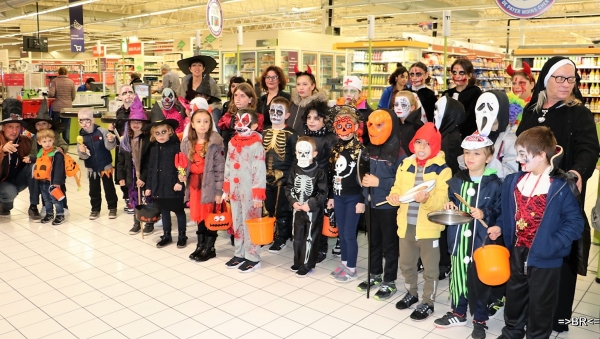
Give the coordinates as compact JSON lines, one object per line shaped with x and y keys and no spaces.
{"x":201,"y":245}
{"x":209,"y":249}
{"x":164,"y":240}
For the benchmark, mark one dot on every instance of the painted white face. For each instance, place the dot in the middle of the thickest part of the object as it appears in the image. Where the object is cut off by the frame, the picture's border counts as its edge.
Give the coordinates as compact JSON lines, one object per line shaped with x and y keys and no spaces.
{"x":168,"y":98}
{"x":242,"y":125}
{"x":126,"y":95}
{"x":528,"y":161}
{"x":439,"y":111}
{"x":277,"y":114}
{"x":304,"y":153}
{"x":350,"y":93}
{"x":486,"y":112}
{"x":402,"y":107}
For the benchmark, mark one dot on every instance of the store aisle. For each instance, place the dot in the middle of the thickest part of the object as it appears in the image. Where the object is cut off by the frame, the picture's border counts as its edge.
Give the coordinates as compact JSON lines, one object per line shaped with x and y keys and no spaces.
{"x":90,"y":279}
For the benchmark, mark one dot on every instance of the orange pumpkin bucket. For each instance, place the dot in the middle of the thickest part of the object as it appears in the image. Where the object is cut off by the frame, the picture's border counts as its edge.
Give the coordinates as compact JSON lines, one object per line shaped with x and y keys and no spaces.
{"x":57,"y":193}
{"x":261,"y":230}
{"x":492,"y":264}
{"x":329,"y":226}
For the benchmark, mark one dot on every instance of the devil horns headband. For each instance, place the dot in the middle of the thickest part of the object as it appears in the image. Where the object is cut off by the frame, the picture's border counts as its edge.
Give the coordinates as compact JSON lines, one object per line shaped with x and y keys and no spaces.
{"x":298,"y":72}
{"x":526,"y":69}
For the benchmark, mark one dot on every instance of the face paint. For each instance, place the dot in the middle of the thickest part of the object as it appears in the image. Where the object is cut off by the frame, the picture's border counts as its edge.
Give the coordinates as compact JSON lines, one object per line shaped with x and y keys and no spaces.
{"x":350,"y":93}
{"x":304,"y":153}
{"x":416,"y":76}
{"x":344,"y":126}
{"x":402,"y":107}
{"x":459,"y":76}
{"x":486,"y":113}
{"x":528,"y":161}
{"x":277,"y":114}
{"x":440,"y":109}
{"x":126,"y":95}
{"x":242,"y":125}
{"x":168,"y":98}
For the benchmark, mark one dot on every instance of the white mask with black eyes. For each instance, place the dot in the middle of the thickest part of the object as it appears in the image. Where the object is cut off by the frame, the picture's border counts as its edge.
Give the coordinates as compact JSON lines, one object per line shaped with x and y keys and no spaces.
{"x":168,"y":98}
{"x":486,"y":112}
{"x":304,"y":153}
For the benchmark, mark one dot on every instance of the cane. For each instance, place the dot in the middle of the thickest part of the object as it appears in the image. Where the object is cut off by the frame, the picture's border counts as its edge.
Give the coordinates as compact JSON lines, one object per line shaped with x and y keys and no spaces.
{"x":140,"y":202}
{"x":368,"y":222}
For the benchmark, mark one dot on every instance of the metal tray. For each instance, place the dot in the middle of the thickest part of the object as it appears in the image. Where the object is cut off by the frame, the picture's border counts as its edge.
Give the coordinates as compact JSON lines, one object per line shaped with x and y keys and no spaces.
{"x":449,"y":217}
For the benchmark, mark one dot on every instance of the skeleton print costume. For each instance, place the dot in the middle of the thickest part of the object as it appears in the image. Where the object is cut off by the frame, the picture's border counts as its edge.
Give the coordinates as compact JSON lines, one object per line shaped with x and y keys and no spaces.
{"x":306,"y":184}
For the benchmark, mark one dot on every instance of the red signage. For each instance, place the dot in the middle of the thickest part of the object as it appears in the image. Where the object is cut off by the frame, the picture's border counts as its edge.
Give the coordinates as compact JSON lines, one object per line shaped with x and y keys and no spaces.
{"x":99,"y":52}
{"x":134,"y":48}
{"x":14,"y":80}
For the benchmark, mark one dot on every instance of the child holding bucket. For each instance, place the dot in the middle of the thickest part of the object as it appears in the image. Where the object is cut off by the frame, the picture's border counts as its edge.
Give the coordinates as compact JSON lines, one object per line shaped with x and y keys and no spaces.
{"x":205,"y":151}
{"x":540,"y":219}
{"x":306,"y":189}
{"x":480,"y":187}
{"x":132,"y":162}
{"x":49,"y":170}
{"x":244,"y":182}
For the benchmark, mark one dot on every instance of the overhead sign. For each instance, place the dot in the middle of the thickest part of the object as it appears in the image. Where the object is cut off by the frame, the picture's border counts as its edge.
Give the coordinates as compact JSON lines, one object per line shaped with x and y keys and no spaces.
{"x":134,"y":48}
{"x":214,"y":17}
{"x":524,"y":9}
{"x":76,"y":29}
{"x":98,"y":51}
{"x":266,"y":43}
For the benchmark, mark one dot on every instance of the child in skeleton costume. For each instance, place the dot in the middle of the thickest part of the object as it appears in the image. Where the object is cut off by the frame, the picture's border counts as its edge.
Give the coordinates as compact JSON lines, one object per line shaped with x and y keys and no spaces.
{"x":169,"y":108}
{"x":418,"y":235}
{"x":95,"y":152}
{"x":352,"y":96}
{"x":279,"y":142}
{"x":481,"y":189}
{"x":346,"y":195}
{"x":245,"y":183}
{"x":132,"y":164}
{"x":306,"y":189}
{"x":405,"y":107}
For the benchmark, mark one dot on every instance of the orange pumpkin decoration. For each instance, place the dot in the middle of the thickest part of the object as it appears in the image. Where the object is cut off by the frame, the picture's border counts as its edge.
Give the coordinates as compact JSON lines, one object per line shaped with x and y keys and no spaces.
{"x":42,"y":168}
{"x":218,"y":221}
{"x":329,"y":226}
{"x":379,"y":126}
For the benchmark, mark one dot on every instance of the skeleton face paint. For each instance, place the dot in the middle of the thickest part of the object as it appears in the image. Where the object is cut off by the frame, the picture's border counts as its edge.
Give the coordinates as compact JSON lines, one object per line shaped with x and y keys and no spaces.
{"x":486,"y":112}
{"x":402,"y":107}
{"x":304,"y":153}
{"x":440,"y":109}
{"x":277,"y":113}
{"x":350,"y":93}
{"x":242,"y":125}
{"x":344,"y":126}
{"x":168,"y":98}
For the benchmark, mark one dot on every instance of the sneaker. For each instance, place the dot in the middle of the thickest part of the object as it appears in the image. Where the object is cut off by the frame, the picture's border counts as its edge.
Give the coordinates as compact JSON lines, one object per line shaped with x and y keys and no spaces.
{"x":94,"y":215}
{"x":249,"y":266}
{"x":303,"y":272}
{"x":148,"y":229}
{"x":277,"y":246}
{"x":182,"y":242}
{"x":495,"y":306}
{"x":373,"y":282}
{"x":129,"y":210}
{"x":47,"y":218}
{"x":407,"y":301}
{"x":33,"y":212}
{"x":60,"y":219}
{"x":337,"y":250}
{"x":294,"y":268}
{"x":346,"y":276}
{"x":136,"y":228}
{"x":478,"y":330}
{"x":112,"y":214}
{"x":422,"y":312}
{"x":164,"y":241}
{"x":337,"y":271}
{"x":235,"y":262}
{"x":386,"y":290}
{"x":450,"y":319}
{"x":444,"y":272}
{"x":321,"y":256}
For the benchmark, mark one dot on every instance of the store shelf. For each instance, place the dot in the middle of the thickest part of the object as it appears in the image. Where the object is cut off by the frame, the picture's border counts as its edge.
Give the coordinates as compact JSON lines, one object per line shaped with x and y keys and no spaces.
{"x":373,"y":73}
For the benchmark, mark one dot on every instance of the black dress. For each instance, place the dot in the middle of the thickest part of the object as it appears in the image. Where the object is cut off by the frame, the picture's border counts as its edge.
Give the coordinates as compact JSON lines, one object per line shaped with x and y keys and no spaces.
{"x":428,"y":99}
{"x":162,"y":175}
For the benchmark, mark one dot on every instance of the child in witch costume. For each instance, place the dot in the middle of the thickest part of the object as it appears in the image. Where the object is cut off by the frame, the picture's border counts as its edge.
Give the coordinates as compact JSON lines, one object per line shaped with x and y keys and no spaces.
{"x":480,"y":187}
{"x":163,"y":182}
{"x":132,"y":163}
{"x":353,"y":96}
{"x":205,"y":151}
{"x":306,"y":190}
{"x":418,"y":235}
{"x":244,"y":183}
{"x":126,"y":95}
{"x":95,"y":152}
{"x":385,"y":157}
{"x":345,"y":194}
{"x":540,"y":220}
{"x":279,"y":142}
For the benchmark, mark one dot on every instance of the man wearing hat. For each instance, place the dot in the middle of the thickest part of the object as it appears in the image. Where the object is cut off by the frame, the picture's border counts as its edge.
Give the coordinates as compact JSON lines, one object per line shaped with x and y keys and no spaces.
{"x":15,"y":175}
{"x":196,"y":68}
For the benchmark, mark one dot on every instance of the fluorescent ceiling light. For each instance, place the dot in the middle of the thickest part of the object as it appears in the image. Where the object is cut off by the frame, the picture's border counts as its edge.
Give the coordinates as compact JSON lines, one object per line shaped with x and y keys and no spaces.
{"x":50,"y":10}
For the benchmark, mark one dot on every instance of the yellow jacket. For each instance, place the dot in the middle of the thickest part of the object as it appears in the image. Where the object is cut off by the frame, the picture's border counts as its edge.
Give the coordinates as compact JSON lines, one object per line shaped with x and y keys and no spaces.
{"x":435,"y":169}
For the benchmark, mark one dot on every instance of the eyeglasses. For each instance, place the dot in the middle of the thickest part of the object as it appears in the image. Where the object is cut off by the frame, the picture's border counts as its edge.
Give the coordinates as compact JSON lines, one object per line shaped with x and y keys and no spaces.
{"x":159,"y":133}
{"x":127,"y":92}
{"x":459,"y":73}
{"x":85,"y":121}
{"x":272,"y":78}
{"x":560,"y":80}
{"x":419,"y":74}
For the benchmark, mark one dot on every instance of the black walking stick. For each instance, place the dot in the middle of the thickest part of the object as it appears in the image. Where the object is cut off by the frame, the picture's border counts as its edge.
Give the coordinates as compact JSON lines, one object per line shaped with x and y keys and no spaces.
{"x":363,"y":168}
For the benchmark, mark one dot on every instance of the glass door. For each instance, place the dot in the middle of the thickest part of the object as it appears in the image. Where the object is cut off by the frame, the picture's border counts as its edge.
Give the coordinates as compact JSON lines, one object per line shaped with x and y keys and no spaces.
{"x":340,"y":66}
{"x":325,"y":71}
{"x":309,"y":59}
{"x":289,"y":59}
{"x":247,"y":65}
{"x":265,"y":59}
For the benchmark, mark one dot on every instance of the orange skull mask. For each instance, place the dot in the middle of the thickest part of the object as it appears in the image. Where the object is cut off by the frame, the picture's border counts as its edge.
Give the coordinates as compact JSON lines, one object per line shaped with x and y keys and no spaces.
{"x":380,"y":127}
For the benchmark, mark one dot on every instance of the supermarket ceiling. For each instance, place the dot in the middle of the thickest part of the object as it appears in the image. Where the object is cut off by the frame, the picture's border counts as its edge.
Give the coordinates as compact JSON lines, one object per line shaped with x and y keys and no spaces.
{"x":481,"y":21}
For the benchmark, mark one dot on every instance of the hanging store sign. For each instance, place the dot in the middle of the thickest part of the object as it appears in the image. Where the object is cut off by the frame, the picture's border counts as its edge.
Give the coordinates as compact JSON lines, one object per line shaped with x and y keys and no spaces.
{"x":214,"y":17}
{"x":76,"y":30}
{"x":98,"y":51}
{"x":134,"y":48}
{"x":524,"y":9}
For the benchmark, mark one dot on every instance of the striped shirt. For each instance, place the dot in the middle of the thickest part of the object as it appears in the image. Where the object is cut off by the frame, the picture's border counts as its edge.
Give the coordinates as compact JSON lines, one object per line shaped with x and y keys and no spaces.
{"x":413,"y":207}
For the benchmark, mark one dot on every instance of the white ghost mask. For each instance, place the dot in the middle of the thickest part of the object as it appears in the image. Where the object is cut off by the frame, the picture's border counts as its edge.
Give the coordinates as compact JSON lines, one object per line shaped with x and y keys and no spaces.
{"x":304,"y":153}
{"x":168,"y":98}
{"x":402,"y":107}
{"x":277,"y":113}
{"x":439,"y":111}
{"x":486,"y":112}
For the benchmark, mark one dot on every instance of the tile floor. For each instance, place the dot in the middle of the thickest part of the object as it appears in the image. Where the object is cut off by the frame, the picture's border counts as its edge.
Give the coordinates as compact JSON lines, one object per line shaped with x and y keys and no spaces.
{"x":90,"y":279}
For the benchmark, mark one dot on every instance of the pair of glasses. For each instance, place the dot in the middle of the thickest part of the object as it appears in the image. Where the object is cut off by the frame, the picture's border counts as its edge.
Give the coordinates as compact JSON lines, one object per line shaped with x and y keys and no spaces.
{"x":459,"y":73}
{"x":273,"y":78}
{"x":560,"y":80}
{"x":159,"y":133}
{"x":419,"y":74}
{"x":127,"y":92}
{"x":85,"y":121}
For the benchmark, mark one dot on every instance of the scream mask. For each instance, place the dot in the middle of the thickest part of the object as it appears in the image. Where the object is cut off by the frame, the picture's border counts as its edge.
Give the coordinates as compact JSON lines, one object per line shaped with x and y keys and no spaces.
{"x":243,"y":125}
{"x":168,"y":99}
{"x":379,"y":127}
{"x":344,"y":126}
{"x":402,"y":107}
{"x":304,"y":153}
{"x":440,"y":109}
{"x":486,"y":113}
{"x":277,"y":114}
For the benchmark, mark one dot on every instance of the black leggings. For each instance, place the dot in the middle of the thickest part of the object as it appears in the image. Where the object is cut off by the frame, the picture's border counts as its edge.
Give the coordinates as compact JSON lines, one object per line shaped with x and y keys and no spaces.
{"x":166,"y":218}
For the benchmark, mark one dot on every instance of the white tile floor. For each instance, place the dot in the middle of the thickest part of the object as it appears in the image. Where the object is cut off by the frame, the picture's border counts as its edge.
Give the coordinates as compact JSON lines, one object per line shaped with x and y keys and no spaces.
{"x":90,"y":279}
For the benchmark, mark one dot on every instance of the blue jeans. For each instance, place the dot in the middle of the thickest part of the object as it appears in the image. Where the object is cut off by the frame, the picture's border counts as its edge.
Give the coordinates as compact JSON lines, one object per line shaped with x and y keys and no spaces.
{"x":347,"y":222}
{"x":10,"y":189}
{"x":480,"y":314}
{"x":49,"y":200}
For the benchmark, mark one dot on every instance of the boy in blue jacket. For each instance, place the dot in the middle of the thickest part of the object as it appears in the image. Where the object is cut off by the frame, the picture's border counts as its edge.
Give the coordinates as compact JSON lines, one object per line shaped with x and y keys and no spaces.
{"x":540,"y":219}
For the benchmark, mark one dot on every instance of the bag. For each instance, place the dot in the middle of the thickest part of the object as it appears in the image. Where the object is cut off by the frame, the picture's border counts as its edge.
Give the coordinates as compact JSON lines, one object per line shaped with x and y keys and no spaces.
{"x":220,"y":221}
{"x":72,"y":169}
